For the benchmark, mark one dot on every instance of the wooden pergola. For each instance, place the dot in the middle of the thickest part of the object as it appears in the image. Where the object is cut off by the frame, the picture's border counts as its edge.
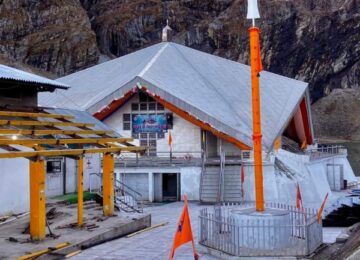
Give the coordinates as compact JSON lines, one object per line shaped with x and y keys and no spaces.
{"x":35,"y":135}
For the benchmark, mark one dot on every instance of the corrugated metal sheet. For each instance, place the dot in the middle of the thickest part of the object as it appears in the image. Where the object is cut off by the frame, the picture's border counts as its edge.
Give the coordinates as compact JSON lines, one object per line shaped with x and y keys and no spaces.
{"x":79,"y":117}
{"x":8,"y":73}
{"x":213,"y":89}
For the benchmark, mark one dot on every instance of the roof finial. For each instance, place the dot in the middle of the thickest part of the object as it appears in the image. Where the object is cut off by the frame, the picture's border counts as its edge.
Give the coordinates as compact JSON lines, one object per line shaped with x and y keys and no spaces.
{"x":166,"y":32}
{"x":253,"y":11}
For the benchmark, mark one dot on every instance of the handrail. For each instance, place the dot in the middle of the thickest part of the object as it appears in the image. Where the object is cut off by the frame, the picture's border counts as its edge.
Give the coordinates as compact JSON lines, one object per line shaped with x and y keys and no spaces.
{"x":326,"y":151}
{"x":221,"y":177}
{"x":135,"y":196}
{"x":202,"y":173}
{"x":126,"y":186}
{"x":125,"y":190}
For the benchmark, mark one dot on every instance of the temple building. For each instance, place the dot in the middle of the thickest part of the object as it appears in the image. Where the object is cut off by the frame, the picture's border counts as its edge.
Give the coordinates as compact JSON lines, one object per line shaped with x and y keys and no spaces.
{"x":193,"y":111}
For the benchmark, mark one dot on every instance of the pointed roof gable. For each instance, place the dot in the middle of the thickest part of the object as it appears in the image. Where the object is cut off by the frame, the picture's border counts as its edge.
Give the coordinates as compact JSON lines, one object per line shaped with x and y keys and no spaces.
{"x":215,"y":90}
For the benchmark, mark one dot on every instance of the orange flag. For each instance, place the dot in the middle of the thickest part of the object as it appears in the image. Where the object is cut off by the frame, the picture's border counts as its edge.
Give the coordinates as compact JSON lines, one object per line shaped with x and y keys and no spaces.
{"x":170,"y":139}
{"x":299,"y":200}
{"x":298,"y":197}
{"x":183,"y":233}
{"x":319,"y":215}
{"x":242,"y":180}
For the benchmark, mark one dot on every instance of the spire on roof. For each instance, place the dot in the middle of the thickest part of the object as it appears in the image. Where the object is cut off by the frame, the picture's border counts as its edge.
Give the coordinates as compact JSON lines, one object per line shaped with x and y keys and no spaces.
{"x":166,"y":32}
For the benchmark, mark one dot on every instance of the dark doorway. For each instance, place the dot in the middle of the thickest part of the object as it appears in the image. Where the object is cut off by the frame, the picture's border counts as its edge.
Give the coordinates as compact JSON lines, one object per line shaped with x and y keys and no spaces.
{"x":170,"y":186}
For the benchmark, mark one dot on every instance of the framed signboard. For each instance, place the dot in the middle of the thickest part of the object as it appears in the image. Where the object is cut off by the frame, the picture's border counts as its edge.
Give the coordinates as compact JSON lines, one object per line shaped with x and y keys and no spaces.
{"x":149,"y":123}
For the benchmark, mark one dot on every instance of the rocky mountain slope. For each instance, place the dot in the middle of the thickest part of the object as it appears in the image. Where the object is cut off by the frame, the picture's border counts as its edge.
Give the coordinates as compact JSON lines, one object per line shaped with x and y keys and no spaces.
{"x":317,"y":41}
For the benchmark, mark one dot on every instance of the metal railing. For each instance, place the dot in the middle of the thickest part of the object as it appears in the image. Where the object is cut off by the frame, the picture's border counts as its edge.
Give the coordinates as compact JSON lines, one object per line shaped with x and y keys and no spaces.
{"x":221,"y":177}
{"x":299,"y":236}
{"x":202,"y":174}
{"x":162,"y":158}
{"x":326,"y":151}
{"x":128,"y":198}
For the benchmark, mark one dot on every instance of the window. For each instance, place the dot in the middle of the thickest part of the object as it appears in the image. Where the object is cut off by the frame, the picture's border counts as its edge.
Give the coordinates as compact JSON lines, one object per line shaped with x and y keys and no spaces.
{"x":53,"y":166}
{"x":143,"y":106}
{"x":135,"y":135}
{"x":126,"y":122}
{"x":143,"y":142}
{"x":152,"y":106}
{"x":160,"y":107}
{"x":143,"y":97}
{"x":134,"y":106}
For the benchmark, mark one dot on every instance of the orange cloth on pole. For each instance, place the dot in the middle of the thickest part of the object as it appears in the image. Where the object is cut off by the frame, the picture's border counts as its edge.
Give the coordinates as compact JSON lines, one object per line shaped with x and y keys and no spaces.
{"x":298,"y":197}
{"x":183,"y":233}
{"x":242,"y":180}
{"x":170,"y":139}
{"x":319,"y":215}
{"x":299,"y":200}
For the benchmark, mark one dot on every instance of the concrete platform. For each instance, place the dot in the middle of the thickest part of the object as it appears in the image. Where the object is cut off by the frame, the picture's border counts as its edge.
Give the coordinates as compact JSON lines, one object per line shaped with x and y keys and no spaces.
{"x":97,"y":229}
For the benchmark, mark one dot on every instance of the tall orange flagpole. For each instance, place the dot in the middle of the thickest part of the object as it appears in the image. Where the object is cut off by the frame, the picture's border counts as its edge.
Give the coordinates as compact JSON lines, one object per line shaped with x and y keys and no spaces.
{"x":256,"y":67}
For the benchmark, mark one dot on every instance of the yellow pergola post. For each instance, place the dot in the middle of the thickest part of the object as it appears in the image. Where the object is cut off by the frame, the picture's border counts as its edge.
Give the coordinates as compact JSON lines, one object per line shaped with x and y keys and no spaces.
{"x":80,"y":189}
{"x":37,"y":199}
{"x":108,"y":184}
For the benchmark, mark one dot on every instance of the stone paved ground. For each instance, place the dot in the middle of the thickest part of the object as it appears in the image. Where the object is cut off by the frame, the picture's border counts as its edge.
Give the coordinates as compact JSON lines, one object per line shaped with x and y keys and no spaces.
{"x":153,"y":244}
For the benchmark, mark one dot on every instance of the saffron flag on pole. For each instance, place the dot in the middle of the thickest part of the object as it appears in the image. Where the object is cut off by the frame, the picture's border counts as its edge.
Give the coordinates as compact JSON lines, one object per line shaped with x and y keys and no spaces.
{"x":299,"y":204}
{"x":298,"y":197}
{"x":170,"y":139}
{"x":183,"y":232}
{"x":242,"y":180}
{"x":319,"y":215}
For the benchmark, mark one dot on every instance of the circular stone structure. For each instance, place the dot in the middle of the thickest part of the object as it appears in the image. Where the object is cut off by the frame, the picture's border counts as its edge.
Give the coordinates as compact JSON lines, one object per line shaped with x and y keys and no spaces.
{"x":270,"y":229}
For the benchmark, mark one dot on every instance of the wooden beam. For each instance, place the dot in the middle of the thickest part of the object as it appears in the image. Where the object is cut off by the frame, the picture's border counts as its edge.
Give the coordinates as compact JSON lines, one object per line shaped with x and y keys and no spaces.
{"x":198,"y":122}
{"x":49,"y":153}
{"x":27,"y":114}
{"x":52,"y":132}
{"x":43,"y":123}
{"x":37,"y":199}
{"x":64,"y":141}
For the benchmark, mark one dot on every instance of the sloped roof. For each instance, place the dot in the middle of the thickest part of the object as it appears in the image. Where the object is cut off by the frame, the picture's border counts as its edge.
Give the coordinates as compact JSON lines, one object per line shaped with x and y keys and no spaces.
{"x":15,"y":75}
{"x":215,"y":90}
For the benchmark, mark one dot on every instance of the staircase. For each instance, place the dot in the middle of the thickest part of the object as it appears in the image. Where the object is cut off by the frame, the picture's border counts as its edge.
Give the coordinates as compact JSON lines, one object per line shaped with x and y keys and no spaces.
{"x":126,"y":199}
{"x":232,"y":184}
{"x":229,"y":191}
{"x":210,"y":188}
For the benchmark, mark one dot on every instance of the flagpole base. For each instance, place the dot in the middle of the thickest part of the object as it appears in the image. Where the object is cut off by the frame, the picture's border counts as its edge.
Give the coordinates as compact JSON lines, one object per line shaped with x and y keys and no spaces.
{"x":269,"y":229}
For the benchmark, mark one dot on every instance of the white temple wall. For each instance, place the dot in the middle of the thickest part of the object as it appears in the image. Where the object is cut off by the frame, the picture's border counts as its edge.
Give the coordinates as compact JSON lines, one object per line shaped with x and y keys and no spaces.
{"x":14,"y":186}
{"x":186,"y":137}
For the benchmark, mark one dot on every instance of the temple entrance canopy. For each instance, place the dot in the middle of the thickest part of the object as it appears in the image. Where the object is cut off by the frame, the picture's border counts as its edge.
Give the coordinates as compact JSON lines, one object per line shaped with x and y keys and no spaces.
{"x":58,"y":132}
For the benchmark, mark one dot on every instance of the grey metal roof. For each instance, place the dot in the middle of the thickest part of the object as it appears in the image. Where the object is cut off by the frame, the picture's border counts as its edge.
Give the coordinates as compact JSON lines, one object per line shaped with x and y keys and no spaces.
{"x":12,"y":74}
{"x":213,"y":89}
{"x":79,"y":117}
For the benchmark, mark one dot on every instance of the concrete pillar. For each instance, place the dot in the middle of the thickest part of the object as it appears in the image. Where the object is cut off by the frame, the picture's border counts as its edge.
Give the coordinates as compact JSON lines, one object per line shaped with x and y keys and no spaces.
{"x":151,"y":186}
